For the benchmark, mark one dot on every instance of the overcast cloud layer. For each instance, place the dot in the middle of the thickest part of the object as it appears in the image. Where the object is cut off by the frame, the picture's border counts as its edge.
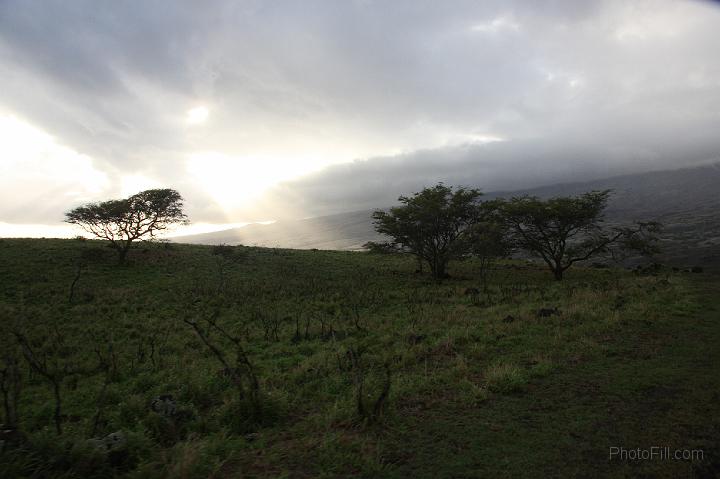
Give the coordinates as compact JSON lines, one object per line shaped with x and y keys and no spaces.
{"x":399,"y":93}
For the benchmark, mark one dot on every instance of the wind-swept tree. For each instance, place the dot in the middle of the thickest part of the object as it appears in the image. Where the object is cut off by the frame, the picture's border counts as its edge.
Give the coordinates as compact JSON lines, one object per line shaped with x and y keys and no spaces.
{"x":432,"y":224}
{"x":566,"y":230}
{"x":141,"y":216}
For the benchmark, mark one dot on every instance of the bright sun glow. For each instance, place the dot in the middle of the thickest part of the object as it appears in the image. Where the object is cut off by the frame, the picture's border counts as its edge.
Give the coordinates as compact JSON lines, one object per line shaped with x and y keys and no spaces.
{"x":11,"y":230}
{"x":197,"y":115}
{"x":33,"y":161}
{"x":43,"y":178}
{"x":132,"y":184}
{"x":200,"y":228}
{"x":235,"y":181}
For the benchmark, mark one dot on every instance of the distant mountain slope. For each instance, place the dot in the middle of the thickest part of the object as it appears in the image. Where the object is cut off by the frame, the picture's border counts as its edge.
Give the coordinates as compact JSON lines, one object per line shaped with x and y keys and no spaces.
{"x":342,"y":231}
{"x":648,"y":194}
{"x":687,"y":201}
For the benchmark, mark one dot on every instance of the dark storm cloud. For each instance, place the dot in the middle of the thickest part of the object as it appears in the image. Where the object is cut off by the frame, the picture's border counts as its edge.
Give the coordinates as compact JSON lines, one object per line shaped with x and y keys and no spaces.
{"x":500,"y":166}
{"x":576,"y":89}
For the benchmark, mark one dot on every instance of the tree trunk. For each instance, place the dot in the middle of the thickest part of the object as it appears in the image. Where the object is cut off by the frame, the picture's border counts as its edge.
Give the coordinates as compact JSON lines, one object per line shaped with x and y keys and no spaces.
{"x":437,"y":267}
{"x":122,"y":253}
{"x":10,"y":385}
{"x":558,"y":272}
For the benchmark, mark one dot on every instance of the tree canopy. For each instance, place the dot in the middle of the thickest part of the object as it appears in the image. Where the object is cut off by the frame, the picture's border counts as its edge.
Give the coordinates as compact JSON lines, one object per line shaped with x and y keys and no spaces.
{"x":432,"y":224}
{"x":488,"y":238}
{"x":566,"y":230}
{"x":139,"y":217}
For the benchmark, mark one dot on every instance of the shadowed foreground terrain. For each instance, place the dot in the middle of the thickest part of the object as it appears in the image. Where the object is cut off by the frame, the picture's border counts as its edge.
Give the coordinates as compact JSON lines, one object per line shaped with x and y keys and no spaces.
{"x":453,"y":382}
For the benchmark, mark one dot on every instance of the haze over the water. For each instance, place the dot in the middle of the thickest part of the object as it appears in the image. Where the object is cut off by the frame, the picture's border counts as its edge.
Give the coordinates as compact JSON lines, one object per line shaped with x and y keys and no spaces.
{"x":259,"y":110}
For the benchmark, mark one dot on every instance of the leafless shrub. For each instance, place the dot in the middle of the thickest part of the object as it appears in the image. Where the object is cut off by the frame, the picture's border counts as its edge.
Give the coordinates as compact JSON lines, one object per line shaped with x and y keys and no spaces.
{"x":353,"y":364}
{"x":79,"y":267}
{"x":359,"y":301}
{"x":241,"y":370}
{"x":48,"y":364}
{"x":270,"y":321}
{"x":108,"y":364}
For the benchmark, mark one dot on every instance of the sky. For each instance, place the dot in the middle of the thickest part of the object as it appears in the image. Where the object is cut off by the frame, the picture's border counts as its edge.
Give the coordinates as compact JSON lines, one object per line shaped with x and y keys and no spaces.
{"x":268,"y":110}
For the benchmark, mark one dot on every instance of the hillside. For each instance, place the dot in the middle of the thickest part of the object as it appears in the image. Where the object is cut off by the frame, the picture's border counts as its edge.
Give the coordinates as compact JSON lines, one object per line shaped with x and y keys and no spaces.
{"x":291,"y":363}
{"x":685,"y":200}
{"x":345,"y":231}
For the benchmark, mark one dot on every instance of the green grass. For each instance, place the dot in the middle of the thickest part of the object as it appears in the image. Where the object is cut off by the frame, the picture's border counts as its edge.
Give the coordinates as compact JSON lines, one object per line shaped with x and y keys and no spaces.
{"x":630,"y":361}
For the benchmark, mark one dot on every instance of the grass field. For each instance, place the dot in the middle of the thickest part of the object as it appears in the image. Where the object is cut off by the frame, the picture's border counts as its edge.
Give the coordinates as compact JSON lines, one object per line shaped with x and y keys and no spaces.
{"x":363,"y":367}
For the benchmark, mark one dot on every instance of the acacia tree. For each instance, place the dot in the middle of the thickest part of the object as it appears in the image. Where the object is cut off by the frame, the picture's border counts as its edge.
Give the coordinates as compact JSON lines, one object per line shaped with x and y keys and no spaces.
{"x":141,"y":216}
{"x":433,"y":224}
{"x":566,"y":230}
{"x":489,"y":238}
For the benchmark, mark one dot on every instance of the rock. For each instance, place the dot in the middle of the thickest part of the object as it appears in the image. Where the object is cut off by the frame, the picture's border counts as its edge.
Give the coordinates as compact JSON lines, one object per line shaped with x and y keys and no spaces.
{"x":547,"y":312}
{"x":164,"y":405}
{"x":113,"y":446}
{"x":114,"y":440}
{"x":251,"y":436}
{"x":10,"y":437}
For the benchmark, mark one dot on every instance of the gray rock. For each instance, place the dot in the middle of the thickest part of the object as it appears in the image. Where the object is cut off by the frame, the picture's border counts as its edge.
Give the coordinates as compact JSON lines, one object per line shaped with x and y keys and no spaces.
{"x":547,"y":312}
{"x":10,"y":437}
{"x":164,"y":405}
{"x":113,"y":441}
{"x":113,"y":447}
